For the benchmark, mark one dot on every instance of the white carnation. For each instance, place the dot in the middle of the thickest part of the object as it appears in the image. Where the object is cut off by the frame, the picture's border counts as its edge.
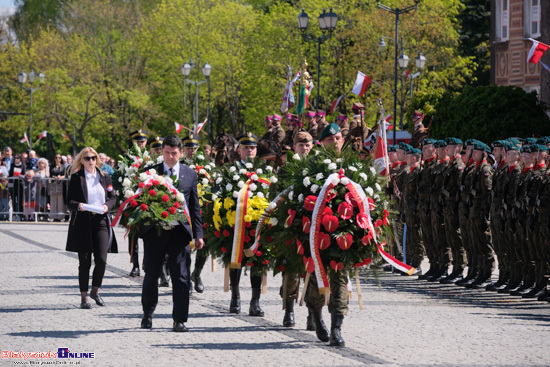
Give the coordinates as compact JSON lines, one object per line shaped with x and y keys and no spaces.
{"x":291,"y":195}
{"x":273,"y":179}
{"x":127,"y":182}
{"x":128,"y":193}
{"x":344,"y":180}
{"x":351,"y":168}
{"x":254,"y":177}
{"x":229,"y":187}
{"x":307,"y":181}
{"x":236,"y":177}
{"x":319,"y":177}
{"x":269,"y":168}
{"x":338,"y":160}
{"x":235,"y":194}
{"x":273,"y":221}
{"x":335,"y":181}
{"x":202,"y":171}
{"x":364,"y":176}
{"x":259,"y":171}
{"x":314,"y":188}
{"x":300,"y":198}
{"x":180,"y":197}
{"x":377,"y":186}
{"x":214,"y":197}
{"x":160,"y":159}
{"x":120,"y":179}
{"x":332,"y":166}
{"x":372,"y":170}
{"x":240,"y":184}
{"x":253,"y":187}
{"x":200,"y":157}
{"x":242,"y":171}
{"x":265,"y":186}
{"x":260,"y":195}
{"x":376,"y":197}
{"x":296,"y":157}
{"x":304,"y":172}
{"x":327,"y":161}
{"x":369,"y":191}
{"x":249,"y":165}
{"x":250,"y":194}
{"x":161,"y":180}
{"x":271,"y":206}
{"x":205,"y":181}
{"x":143,"y":176}
{"x":219,"y":180}
{"x":232,"y":169}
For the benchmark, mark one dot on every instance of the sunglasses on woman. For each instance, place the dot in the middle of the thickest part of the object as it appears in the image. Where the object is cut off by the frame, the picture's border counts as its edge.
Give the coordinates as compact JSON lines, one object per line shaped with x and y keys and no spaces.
{"x":92,"y":158}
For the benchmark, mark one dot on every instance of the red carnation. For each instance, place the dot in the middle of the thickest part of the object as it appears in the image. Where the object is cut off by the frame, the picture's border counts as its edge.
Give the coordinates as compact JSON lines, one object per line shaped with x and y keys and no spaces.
{"x":252,"y":232}
{"x":290,"y":219}
{"x":217,"y":233}
{"x":143,"y":207}
{"x":281,"y":268}
{"x":345,"y":210}
{"x":226,"y":233}
{"x":164,"y":214}
{"x":330,"y":222}
{"x":269,"y":239}
{"x":344,"y":241}
{"x":247,"y":224}
{"x":155,"y":182}
{"x":246,"y":239}
{"x":259,"y":253}
{"x":133,"y":203}
{"x":265,"y":262}
{"x":362,"y":220}
{"x":152,"y":192}
{"x":309,"y":202}
{"x":306,"y":224}
{"x":141,"y":185}
{"x":324,"y":240}
{"x":176,"y":204}
{"x":165,"y":198}
{"x":250,"y":264}
{"x":224,"y":250}
{"x":172,"y":211}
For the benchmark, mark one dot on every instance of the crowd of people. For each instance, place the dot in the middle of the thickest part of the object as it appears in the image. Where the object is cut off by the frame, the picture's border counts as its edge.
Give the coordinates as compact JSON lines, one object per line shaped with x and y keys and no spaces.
{"x":34,"y":188}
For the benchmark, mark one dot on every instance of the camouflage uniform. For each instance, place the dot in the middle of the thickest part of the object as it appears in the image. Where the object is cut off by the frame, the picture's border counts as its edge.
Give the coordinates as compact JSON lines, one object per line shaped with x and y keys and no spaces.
{"x":497,"y":223}
{"x":424,"y":185}
{"x":358,"y":128}
{"x":463,"y":216}
{"x":442,"y":248}
{"x":414,"y":246}
{"x":542,"y":227}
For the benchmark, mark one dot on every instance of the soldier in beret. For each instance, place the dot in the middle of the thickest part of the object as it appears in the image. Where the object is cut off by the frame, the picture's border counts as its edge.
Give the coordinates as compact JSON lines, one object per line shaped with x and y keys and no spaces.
{"x":420,"y":132}
{"x":342,"y":121}
{"x":268,"y":127}
{"x":358,"y":129}
{"x":414,"y":246}
{"x":277,"y":133}
{"x":311,"y":124}
{"x":320,"y":116}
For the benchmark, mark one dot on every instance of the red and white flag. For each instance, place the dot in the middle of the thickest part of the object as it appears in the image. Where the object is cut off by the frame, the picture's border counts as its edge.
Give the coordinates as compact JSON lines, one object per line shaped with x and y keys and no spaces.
{"x":381,"y":157}
{"x":536,"y":51}
{"x":66,"y":137}
{"x":335,"y":104}
{"x":386,"y":119}
{"x":25,"y":138}
{"x":178,"y":127}
{"x":361,"y":85}
{"x":43,"y":135}
{"x":406,"y":73}
{"x":199,"y":127}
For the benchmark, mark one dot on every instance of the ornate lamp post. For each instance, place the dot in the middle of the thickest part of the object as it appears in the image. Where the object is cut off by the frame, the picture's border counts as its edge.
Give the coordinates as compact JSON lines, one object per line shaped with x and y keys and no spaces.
{"x":22,"y":78}
{"x":206,"y":69}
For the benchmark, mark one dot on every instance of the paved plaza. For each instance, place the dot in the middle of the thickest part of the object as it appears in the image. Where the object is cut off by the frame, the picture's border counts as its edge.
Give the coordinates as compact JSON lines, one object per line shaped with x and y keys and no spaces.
{"x":405,"y":322}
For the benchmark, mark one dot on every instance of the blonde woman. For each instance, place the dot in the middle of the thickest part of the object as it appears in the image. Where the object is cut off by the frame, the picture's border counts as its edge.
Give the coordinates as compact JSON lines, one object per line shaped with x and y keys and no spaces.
{"x":41,"y":175}
{"x":89,"y":230}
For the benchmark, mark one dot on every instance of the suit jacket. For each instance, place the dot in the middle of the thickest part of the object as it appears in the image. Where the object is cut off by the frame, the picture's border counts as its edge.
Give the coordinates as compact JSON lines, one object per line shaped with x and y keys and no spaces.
{"x":187,"y":184}
{"x":79,"y":238}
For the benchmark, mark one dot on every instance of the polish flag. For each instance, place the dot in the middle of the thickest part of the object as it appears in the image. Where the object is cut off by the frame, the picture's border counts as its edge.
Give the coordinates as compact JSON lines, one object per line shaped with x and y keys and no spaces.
{"x":381,"y":157}
{"x":361,"y":85}
{"x":388,"y":117}
{"x":43,"y":135}
{"x":25,"y":138}
{"x":66,"y":137}
{"x":199,"y":127}
{"x":406,"y":73}
{"x":178,"y":127}
{"x":536,"y":51}
{"x":335,"y":104}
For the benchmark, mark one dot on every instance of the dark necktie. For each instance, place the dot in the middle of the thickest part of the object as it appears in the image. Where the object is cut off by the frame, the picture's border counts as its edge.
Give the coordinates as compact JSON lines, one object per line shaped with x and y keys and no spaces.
{"x":170,"y":172}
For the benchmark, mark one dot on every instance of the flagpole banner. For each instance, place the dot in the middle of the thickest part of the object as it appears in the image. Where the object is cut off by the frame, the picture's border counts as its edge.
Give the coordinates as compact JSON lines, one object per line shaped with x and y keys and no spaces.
{"x":362,"y":83}
{"x":178,"y":127}
{"x":536,"y":51}
{"x":335,"y":104}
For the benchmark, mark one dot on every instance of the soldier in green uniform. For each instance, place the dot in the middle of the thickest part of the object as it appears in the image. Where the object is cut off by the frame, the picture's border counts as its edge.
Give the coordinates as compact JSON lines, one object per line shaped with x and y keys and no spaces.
{"x":450,"y":194}
{"x":480,"y":193}
{"x":414,"y":246}
{"x":442,"y":248}
{"x":425,"y":179}
{"x":395,"y":169}
{"x":542,"y":231}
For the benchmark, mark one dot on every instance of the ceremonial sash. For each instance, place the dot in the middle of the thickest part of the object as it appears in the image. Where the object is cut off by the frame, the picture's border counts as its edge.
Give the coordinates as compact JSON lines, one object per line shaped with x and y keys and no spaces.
{"x":240,"y":228}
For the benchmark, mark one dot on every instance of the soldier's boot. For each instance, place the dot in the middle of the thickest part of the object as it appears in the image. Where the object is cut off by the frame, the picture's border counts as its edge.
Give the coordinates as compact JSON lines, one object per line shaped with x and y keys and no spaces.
{"x":503,"y":278}
{"x":288,"y":320}
{"x":434,"y":267}
{"x":310,"y":324}
{"x":443,"y":272}
{"x":483,"y":280}
{"x":196,"y":279}
{"x":454,"y":277}
{"x":320,"y":328}
{"x":235,"y":305}
{"x":528,"y":284}
{"x":470,"y":277}
{"x":336,"y":339}
{"x":545,"y":295}
{"x":255,"y":309}
{"x":538,"y":289}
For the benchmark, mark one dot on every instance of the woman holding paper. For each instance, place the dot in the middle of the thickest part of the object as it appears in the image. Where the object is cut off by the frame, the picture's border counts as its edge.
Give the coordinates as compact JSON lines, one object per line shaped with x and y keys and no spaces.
{"x":89,"y":197}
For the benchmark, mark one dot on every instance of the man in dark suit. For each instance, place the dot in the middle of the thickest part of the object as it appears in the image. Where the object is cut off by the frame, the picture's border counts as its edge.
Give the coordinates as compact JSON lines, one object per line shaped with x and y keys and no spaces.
{"x":174,"y":242}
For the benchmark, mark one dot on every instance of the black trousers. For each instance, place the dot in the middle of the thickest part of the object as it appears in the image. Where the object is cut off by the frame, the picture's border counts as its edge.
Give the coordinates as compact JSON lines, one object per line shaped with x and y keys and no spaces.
{"x":235,"y":278}
{"x":175,"y":243}
{"x":100,"y":240}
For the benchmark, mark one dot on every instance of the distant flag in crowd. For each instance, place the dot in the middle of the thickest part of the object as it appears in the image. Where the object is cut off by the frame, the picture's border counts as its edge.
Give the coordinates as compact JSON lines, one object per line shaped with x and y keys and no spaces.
{"x":178,"y":127}
{"x":361,"y":85}
{"x":388,"y":117}
{"x":43,"y":135}
{"x":25,"y":138}
{"x":381,"y":157}
{"x":66,"y":137}
{"x":406,"y":73}
{"x":288,"y":87}
{"x":536,"y":51}
{"x":335,"y":104}
{"x":199,"y":127}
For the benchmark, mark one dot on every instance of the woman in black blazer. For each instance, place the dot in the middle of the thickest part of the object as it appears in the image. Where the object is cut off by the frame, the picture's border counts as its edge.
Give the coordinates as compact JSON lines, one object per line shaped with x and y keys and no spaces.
{"x":90,"y":232}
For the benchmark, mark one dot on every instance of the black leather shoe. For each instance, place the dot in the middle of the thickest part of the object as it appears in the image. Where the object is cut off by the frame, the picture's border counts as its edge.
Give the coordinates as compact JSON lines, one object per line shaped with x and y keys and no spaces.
{"x":481,"y":285}
{"x":310,"y":324}
{"x":451,"y":279}
{"x":179,"y":327}
{"x":134,"y":272}
{"x":164,"y":282}
{"x":199,"y":287}
{"x":336,"y":339}
{"x":97,"y":298}
{"x":147,"y":322}
{"x":85,"y":305}
{"x":235,"y":304}
{"x":543,"y":295}
{"x":431,"y":271}
{"x":521,"y":290}
{"x":387,"y":268}
{"x":512,"y":286}
{"x":533,"y":293}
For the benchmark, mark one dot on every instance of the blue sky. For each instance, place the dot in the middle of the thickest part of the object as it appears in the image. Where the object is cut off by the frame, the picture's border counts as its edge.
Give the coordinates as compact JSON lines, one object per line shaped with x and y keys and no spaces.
{"x":6,"y":4}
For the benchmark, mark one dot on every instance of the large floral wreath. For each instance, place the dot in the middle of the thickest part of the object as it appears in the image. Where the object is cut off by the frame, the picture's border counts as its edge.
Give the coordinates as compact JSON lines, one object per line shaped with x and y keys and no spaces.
{"x":239,"y":198}
{"x":204,"y":169}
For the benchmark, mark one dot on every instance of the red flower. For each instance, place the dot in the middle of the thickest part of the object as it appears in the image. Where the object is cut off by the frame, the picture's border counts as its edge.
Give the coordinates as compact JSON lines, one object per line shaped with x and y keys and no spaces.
{"x":326,"y":211}
{"x":246,"y":239}
{"x":306,"y":224}
{"x":372,"y":205}
{"x":362,"y":220}
{"x":345,"y":210}
{"x":252,"y":232}
{"x":165,"y":198}
{"x":247,"y":224}
{"x":250,"y":264}
{"x":331,"y":195}
{"x":366,"y":239}
{"x":365,"y":262}
{"x":259,"y":253}
{"x":224,"y":250}
{"x":309,"y":202}
{"x":344,"y":241}
{"x":336,"y":265}
{"x":330,"y":222}
{"x":386,"y":214}
{"x":281,"y":268}
{"x":164,"y":214}
{"x":155,"y":182}
{"x":143,"y":207}
{"x":226,"y":233}
{"x":288,"y":241}
{"x":300,"y":247}
{"x":269,"y":239}
{"x":133,"y":203}
{"x":378,"y":223}
{"x":217,"y":234}
{"x":309,"y":264}
{"x":204,"y":225}
{"x":290,"y":219}
{"x":324,"y":240}
{"x":266,"y":262}
{"x":172,"y":211}
{"x":176,"y":204}
{"x":350,"y":199}
{"x":152,"y":192}
{"x":141,"y":185}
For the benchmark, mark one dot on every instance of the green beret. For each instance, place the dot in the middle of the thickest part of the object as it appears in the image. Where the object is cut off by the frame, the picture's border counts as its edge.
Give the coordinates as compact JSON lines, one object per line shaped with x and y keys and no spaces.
{"x":511,"y":146}
{"x":428,"y":141}
{"x":406,"y":147}
{"x":529,"y":141}
{"x":544,"y":140}
{"x":453,"y":141}
{"x":481,"y":146}
{"x":539,"y":148}
{"x":440,"y":144}
{"x":329,"y":130}
{"x":526,"y":149}
{"x":392,"y":148}
{"x":514,"y":141}
{"x":497,"y":144}
{"x":414,"y":151}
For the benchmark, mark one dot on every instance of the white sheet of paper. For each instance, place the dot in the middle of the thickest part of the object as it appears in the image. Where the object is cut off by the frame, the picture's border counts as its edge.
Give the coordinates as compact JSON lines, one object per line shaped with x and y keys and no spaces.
{"x":93,"y":208}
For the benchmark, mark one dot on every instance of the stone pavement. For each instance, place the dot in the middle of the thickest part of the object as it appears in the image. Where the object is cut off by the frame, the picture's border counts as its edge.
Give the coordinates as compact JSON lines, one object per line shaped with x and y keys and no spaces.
{"x":405,"y":321}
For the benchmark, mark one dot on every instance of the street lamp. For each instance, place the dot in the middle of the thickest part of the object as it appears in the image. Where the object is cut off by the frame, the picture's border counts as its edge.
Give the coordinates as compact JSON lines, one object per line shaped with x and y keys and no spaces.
{"x":22,"y":78}
{"x":420,"y":62}
{"x":327,"y":23}
{"x":397,"y":12}
{"x":206,"y":69}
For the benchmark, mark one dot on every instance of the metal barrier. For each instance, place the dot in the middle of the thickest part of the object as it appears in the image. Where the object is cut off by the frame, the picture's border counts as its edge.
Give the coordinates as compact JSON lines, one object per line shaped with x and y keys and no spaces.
{"x":33,"y":199}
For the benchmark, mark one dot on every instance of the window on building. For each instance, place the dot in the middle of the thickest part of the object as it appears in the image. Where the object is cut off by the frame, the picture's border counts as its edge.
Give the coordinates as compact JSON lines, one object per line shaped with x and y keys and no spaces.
{"x":502,"y":18}
{"x":532,"y":18}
